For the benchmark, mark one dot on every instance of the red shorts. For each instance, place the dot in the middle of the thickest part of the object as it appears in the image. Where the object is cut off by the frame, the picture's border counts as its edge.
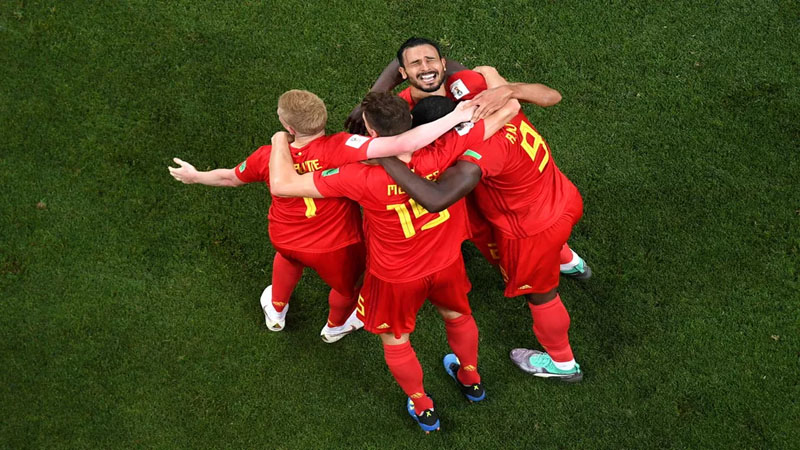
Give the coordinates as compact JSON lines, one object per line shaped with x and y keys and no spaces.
{"x":386,"y":307}
{"x":531,"y":265}
{"x":340,"y":269}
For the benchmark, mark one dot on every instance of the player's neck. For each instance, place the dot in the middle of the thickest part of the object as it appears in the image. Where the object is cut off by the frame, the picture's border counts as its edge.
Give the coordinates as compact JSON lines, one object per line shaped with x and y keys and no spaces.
{"x":405,"y":157}
{"x":301,"y":140}
{"x":418,"y":94}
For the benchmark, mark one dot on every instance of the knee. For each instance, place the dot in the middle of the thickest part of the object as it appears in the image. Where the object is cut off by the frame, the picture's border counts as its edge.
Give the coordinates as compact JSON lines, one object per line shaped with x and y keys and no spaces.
{"x":448,"y":314}
{"x":541,"y":299}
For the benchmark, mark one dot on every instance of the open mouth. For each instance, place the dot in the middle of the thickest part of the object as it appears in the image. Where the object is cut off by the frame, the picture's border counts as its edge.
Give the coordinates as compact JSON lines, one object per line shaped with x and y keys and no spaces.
{"x":428,"y":77}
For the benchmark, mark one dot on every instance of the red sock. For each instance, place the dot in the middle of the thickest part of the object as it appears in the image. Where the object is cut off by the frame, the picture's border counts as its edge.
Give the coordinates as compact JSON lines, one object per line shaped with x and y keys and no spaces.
{"x":550,"y":325}
{"x":340,"y":308}
{"x":404,"y":365}
{"x":285,"y":275}
{"x":566,"y":254}
{"x":462,"y":335}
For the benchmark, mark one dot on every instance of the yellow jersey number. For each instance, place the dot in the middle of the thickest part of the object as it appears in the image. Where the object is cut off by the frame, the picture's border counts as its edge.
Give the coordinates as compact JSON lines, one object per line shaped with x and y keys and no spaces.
{"x":419,"y":211}
{"x":533,"y":148}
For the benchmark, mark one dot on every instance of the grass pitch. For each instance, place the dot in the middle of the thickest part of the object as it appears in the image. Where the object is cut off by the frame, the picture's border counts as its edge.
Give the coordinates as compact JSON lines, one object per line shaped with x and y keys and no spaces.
{"x":130,"y":302}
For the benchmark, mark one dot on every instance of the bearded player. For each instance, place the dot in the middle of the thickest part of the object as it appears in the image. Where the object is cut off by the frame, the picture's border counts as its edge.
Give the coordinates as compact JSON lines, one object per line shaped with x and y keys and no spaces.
{"x":324,"y":234}
{"x":420,"y":62}
{"x":532,"y":205}
{"x":412,"y":254}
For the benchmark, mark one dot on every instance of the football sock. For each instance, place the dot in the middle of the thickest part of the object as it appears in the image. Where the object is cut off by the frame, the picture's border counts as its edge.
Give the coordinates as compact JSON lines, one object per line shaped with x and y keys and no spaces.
{"x":567,"y":258}
{"x":462,"y":335}
{"x":565,"y":365}
{"x":340,"y":308}
{"x":550,"y":325}
{"x":404,"y":365}
{"x":285,"y":275}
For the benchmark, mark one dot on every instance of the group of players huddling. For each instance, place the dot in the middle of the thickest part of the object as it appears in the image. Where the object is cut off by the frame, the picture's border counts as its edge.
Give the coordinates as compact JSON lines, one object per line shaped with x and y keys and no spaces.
{"x":452,"y":157}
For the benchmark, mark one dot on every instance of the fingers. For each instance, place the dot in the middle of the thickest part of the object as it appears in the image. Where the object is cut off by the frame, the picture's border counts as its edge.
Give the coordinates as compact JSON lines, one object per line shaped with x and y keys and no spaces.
{"x":180,"y":162}
{"x":175,"y":172}
{"x":482,"y":112}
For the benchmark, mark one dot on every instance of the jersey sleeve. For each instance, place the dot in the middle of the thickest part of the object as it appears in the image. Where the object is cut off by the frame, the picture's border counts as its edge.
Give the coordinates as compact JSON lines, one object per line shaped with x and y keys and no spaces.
{"x":465,"y":136}
{"x":346,"y":181}
{"x":256,"y":167}
{"x":488,"y":155}
{"x":343,"y":148}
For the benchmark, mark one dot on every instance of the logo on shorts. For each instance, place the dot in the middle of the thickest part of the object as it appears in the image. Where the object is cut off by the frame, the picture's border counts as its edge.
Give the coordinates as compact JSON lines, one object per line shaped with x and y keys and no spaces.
{"x":524,"y":286}
{"x":242,"y":166}
{"x":356,"y":141}
{"x":383,"y":326}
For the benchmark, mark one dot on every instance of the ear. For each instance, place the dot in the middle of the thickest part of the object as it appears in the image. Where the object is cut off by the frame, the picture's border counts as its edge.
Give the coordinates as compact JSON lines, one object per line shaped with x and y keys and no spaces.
{"x":403,"y":73}
{"x":370,"y":131}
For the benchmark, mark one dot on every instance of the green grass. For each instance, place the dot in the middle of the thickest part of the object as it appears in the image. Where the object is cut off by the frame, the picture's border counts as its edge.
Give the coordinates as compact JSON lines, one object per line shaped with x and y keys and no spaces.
{"x":129,"y":301}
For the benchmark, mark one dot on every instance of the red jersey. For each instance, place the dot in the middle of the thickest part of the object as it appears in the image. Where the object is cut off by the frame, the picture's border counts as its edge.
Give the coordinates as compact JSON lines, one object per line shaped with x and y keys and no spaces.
{"x":305,"y":224}
{"x":404,"y":241}
{"x":522,"y":192}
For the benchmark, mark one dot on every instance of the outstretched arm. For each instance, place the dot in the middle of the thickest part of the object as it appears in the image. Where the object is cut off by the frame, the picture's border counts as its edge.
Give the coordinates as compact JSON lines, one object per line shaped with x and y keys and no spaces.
{"x":284,"y":181}
{"x":500,"y":92}
{"x":389,"y":79}
{"x":455,"y":182}
{"x":418,"y":137}
{"x":187,"y":174}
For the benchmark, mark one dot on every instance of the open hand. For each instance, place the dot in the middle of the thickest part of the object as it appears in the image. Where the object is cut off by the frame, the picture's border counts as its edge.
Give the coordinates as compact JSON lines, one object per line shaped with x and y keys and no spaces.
{"x":490,"y":101}
{"x":186,"y":173}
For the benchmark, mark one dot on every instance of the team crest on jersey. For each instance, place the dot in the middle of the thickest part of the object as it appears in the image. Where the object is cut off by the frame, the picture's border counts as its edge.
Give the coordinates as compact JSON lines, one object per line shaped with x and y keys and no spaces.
{"x":242,"y":166}
{"x":463,"y":128}
{"x":330,"y":172}
{"x":356,"y":141}
{"x":458,"y":89}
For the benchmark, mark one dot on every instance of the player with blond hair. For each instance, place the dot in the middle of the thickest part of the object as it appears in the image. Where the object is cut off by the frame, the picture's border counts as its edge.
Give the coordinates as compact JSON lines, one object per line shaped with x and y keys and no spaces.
{"x":323,"y":234}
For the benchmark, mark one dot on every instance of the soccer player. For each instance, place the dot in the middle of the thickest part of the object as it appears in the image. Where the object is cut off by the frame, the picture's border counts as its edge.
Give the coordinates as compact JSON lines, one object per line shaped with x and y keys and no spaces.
{"x":412,"y":254}
{"x":420,"y":62}
{"x":322,"y":234}
{"x":532,"y":205}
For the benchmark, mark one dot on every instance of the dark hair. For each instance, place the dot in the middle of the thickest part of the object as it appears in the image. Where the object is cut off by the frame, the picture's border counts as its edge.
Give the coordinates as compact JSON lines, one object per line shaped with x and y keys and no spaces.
{"x":415,"y":42}
{"x":431,"y":108}
{"x":386,"y":113}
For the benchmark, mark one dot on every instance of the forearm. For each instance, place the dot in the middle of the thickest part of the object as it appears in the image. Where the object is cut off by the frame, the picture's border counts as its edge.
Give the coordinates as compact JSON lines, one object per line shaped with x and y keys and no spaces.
{"x":413,"y":139}
{"x":284,"y":181}
{"x":217,"y":177}
{"x":281,"y":169}
{"x":389,"y":78}
{"x":425,"y":192}
{"x":535,"y":93}
{"x":455,"y":183}
{"x":453,"y":67}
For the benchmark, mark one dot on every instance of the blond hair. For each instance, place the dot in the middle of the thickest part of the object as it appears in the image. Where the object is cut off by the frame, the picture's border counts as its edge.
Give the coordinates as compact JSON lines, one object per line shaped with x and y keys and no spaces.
{"x":303,"y":111}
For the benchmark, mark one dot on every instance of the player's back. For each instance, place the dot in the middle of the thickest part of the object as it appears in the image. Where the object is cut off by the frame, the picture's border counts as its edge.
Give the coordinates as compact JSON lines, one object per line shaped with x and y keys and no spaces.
{"x":307,"y":224}
{"x":522,"y":192}
{"x":404,"y":241}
